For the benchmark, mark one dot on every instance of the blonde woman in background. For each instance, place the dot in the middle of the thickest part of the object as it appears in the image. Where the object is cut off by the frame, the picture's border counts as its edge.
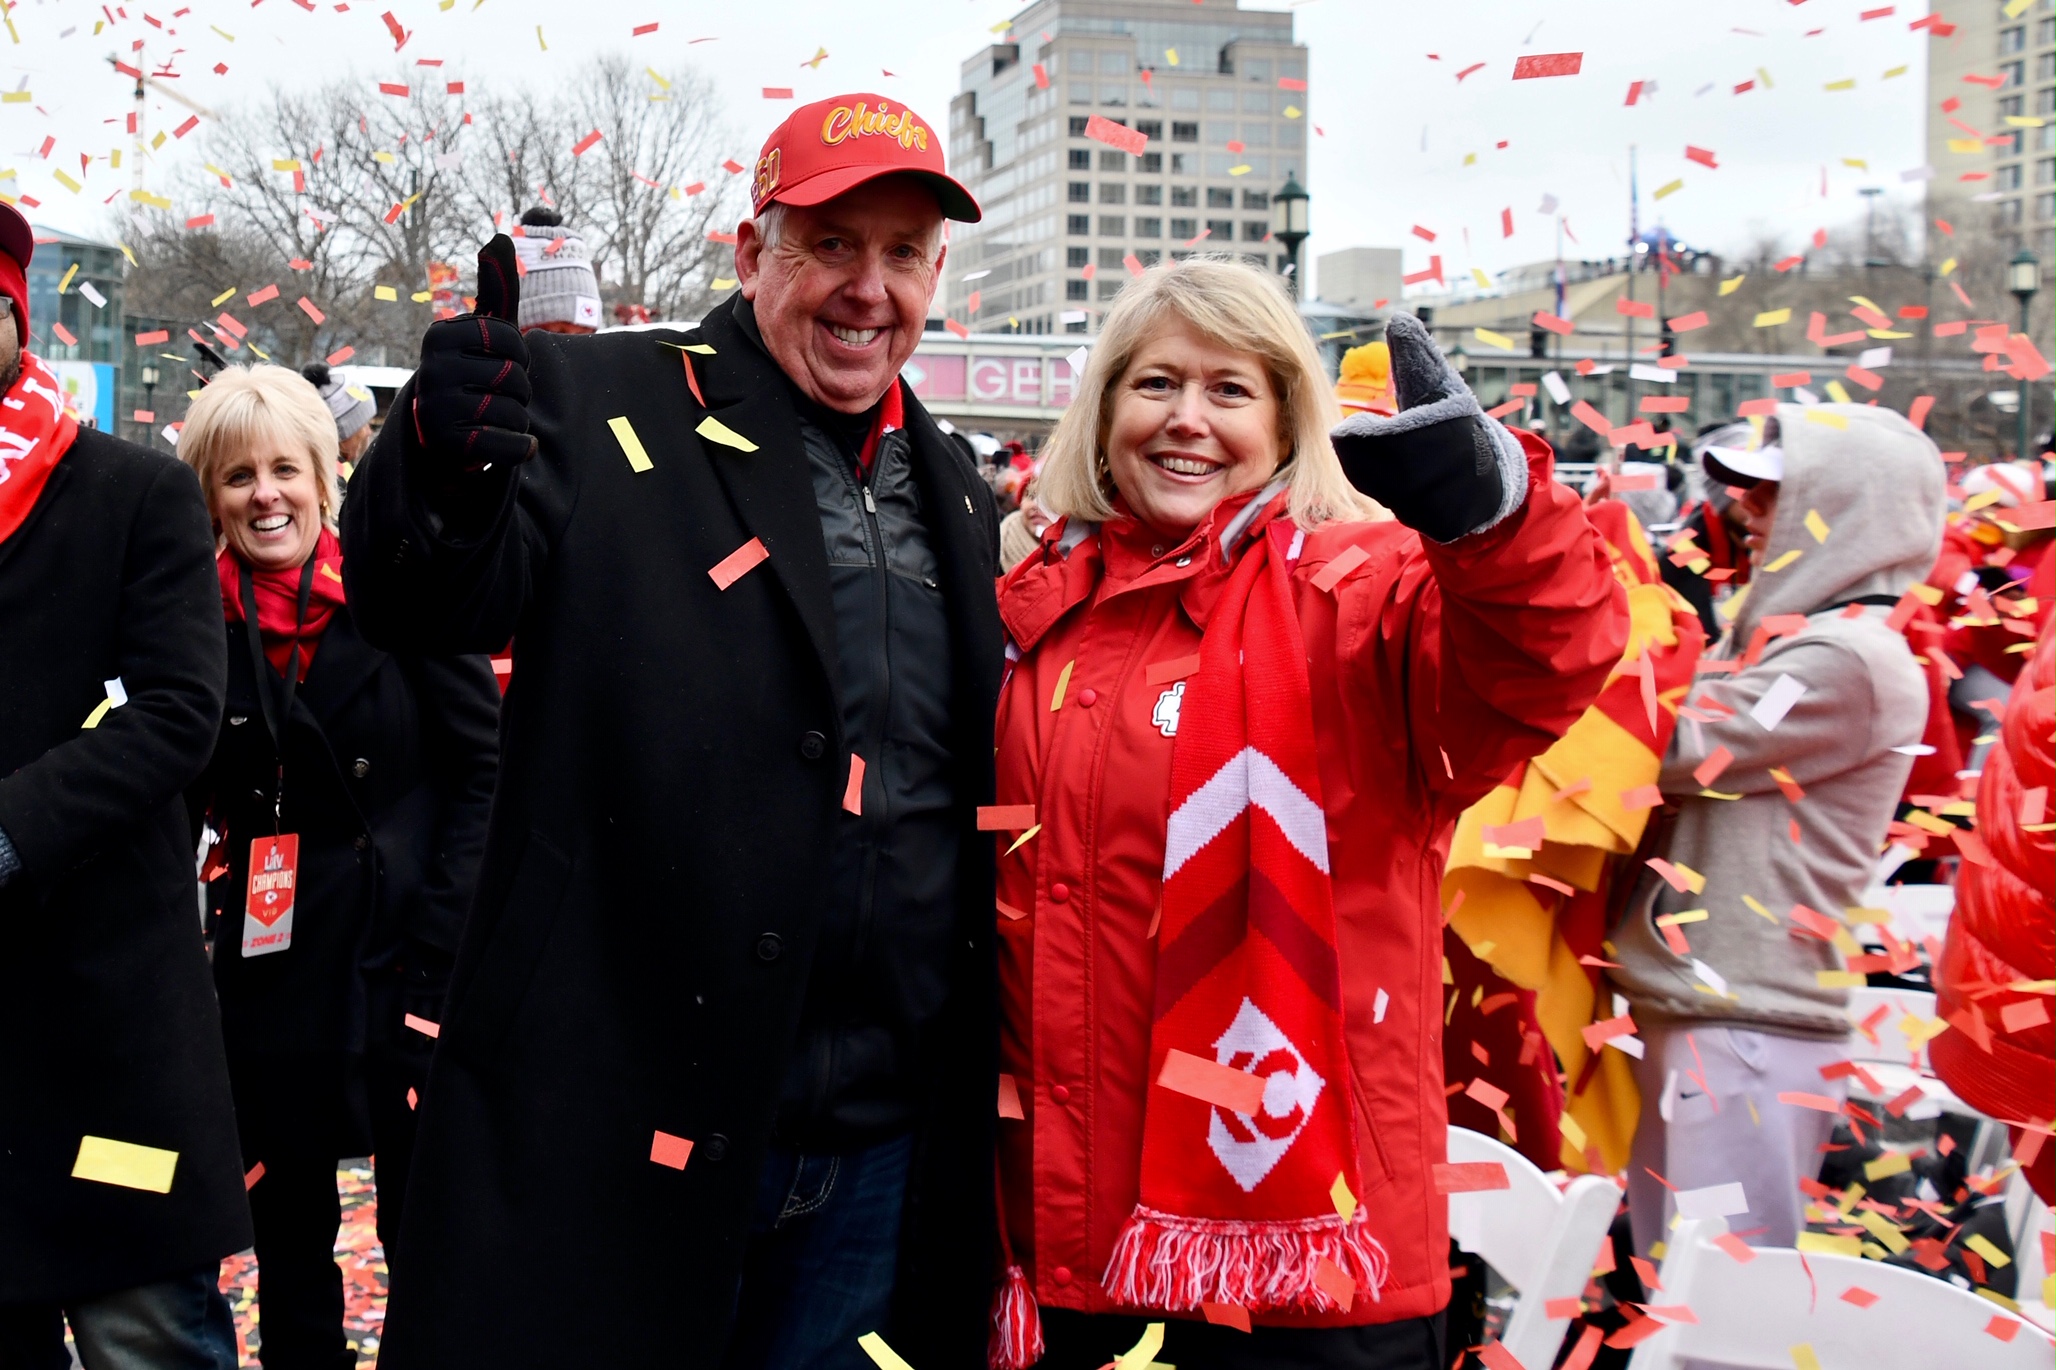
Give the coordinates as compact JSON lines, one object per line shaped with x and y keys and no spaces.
{"x":1244,"y":710}
{"x":365,"y":777}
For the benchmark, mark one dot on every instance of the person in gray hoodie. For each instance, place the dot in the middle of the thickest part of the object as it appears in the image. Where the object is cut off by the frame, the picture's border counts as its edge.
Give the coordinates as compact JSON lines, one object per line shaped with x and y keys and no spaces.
{"x":1784,"y":772}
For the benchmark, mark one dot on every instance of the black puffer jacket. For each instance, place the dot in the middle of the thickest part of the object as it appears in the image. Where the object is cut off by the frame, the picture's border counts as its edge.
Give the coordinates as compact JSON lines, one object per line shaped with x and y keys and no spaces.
{"x":880,"y":972}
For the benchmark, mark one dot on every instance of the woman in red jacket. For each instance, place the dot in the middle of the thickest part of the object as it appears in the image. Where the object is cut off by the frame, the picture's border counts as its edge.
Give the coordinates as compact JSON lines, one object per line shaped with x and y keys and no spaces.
{"x":1244,"y":710}
{"x":2001,"y":1059}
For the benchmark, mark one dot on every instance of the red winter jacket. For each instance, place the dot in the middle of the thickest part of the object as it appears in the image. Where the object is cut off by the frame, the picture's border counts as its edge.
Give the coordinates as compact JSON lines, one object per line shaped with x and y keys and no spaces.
{"x":2000,"y":1056}
{"x":1434,"y":670}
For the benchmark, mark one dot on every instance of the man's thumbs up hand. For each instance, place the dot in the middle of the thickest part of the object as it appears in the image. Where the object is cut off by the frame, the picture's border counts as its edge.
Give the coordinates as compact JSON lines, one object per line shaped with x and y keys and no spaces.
{"x":471,"y":392}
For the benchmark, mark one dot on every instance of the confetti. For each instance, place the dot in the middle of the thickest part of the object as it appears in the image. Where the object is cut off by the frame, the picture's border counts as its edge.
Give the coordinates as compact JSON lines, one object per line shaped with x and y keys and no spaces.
{"x":1238,"y":1091}
{"x":127,"y":1164}
{"x":739,"y":563}
{"x":1548,"y":64}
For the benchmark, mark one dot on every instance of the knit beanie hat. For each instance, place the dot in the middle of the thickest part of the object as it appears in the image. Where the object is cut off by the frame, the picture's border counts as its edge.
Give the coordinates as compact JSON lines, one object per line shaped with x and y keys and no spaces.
{"x":351,"y":408}
{"x":1366,"y":380}
{"x":557,"y":281}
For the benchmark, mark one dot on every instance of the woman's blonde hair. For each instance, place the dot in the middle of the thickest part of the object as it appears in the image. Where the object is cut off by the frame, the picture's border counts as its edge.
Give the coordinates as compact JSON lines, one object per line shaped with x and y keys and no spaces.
{"x":1239,"y":307}
{"x":246,"y":405}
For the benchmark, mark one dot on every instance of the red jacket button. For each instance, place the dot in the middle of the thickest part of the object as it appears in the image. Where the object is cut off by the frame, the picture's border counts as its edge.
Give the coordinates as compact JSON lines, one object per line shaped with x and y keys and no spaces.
{"x":1060,"y":892}
{"x":1088,"y":698}
{"x":1062,"y":1274}
{"x":1060,"y":1093}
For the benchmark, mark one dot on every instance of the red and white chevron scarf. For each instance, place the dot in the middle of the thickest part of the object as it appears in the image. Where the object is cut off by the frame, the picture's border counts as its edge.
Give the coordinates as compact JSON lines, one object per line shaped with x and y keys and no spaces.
{"x":35,"y":431}
{"x":1239,"y":1201}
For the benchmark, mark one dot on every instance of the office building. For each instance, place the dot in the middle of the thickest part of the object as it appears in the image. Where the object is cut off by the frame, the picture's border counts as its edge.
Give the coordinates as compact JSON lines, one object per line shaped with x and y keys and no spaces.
{"x":1220,"y":93}
{"x":1360,"y":277}
{"x":1991,"y":116}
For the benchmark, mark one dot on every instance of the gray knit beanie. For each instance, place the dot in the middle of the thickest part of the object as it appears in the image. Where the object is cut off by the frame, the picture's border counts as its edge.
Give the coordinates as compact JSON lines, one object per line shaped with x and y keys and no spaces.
{"x":350,"y":406}
{"x":557,"y":282}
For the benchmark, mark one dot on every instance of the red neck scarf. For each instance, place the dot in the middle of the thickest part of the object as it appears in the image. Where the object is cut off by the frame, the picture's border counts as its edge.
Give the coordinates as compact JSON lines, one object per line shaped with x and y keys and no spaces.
{"x":278,"y":601}
{"x":35,"y":431}
{"x":1239,"y":1203}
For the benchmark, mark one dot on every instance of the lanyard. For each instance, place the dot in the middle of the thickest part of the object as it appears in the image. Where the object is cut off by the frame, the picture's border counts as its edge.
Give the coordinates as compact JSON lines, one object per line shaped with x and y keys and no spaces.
{"x":260,"y":669}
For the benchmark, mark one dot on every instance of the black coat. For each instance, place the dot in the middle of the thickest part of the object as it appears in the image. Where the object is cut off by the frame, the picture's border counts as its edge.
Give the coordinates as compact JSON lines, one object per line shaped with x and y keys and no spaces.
{"x":652,"y":887}
{"x":106,"y":1009}
{"x":389,"y":767}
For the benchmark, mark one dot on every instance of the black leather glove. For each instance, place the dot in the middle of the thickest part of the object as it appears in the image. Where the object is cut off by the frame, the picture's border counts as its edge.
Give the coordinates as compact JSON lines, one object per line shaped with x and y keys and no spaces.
{"x":1439,"y":464}
{"x":471,"y":392}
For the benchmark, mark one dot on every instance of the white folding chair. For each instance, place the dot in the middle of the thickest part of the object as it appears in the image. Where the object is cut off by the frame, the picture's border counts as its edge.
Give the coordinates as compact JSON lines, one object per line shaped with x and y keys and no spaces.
{"x":2027,"y":1218}
{"x":1890,"y":1060}
{"x":1750,"y":1315}
{"x":1542,"y":1240}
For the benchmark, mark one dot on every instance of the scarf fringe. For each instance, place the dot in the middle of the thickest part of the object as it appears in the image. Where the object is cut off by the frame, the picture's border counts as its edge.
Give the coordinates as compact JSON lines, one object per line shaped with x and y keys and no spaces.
{"x":1172,"y":1263}
{"x":1016,"y":1324}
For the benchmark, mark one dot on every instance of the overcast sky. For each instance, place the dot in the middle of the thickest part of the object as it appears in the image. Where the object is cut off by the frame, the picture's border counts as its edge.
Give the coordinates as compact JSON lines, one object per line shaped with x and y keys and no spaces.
{"x":1396,"y":124}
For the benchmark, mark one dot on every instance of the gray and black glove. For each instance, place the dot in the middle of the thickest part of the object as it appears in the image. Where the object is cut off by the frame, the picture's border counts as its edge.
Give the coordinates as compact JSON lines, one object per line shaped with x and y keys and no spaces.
{"x":1440,"y":466}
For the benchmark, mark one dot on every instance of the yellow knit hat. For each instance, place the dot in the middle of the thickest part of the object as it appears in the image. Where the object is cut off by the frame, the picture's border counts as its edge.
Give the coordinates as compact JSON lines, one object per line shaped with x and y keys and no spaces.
{"x":1366,"y":382}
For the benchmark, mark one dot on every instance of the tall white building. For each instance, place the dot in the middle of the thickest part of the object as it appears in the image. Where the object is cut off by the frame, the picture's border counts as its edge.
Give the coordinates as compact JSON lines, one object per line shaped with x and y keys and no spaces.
{"x":1219,"y":91}
{"x":1991,"y":115}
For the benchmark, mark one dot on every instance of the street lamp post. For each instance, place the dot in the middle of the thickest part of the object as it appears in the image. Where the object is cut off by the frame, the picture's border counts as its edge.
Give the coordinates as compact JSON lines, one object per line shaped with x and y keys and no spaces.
{"x":2023,"y":278}
{"x":148,"y":375}
{"x":1288,"y":221}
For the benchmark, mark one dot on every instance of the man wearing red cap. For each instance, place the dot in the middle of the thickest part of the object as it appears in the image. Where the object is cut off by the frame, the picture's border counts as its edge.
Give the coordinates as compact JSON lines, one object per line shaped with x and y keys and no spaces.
{"x":121,"y":1185}
{"x":719,"y":1053}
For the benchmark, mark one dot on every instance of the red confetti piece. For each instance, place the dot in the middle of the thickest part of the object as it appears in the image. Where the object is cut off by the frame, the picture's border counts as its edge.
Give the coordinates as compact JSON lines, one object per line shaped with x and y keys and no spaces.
{"x":584,"y":145}
{"x":1238,"y":1091}
{"x":150,"y":339}
{"x":1226,"y":1315}
{"x":422,"y":1025}
{"x":1473,"y":67}
{"x":393,"y":88}
{"x":256,"y":1173}
{"x":64,"y":335}
{"x":1103,"y":130}
{"x":1338,"y":568}
{"x":777,"y":92}
{"x":1740,"y":1250}
{"x":200,"y":221}
{"x":1685,"y":323}
{"x":1005,"y":817}
{"x":309,"y":308}
{"x":188,"y":126}
{"x":1859,"y":1296}
{"x":738,"y":563}
{"x":853,"y":792}
{"x":668,"y":1150}
{"x":340,"y":355}
{"x":1467,"y":1177}
{"x":1291,"y":83}
{"x":1702,"y":155}
{"x":1548,"y":64}
{"x":1709,"y":770}
{"x":264,"y":296}
{"x":1424,"y":234}
{"x":640,"y":29}
{"x":1335,"y":1282}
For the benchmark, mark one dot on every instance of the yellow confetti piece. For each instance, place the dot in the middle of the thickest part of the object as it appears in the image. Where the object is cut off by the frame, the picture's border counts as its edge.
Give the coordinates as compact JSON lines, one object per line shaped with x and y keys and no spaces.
{"x":65,"y":180}
{"x":1140,"y":1355}
{"x":99,"y":712}
{"x":1764,"y":77}
{"x":1241,"y":170}
{"x":1891,"y":1163}
{"x":2015,"y":8}
{"x":147,"y":198}
{"x":1846,"y":83}
{"x":1816,"y":525}
{"x":1484,"y":281}
{"x":1732,"y":605}
{"x":1344,"y":1201}
{"x":1021,"y":839}
{"x":724,"y":283}
{"x":223,"y":32}
{"x":17,"y":97}
{"x":1694,"y":881}
{"x":1893,"y":72}
{"x":158,"y":141}
{"x":1803,"y":1357}
{"x":662,"y":84}
{"x":1292,"y":111}
{"x":1830,"y":1246}
{"x":422,"y":296}
{"x":1572,"y":1133}
{"x":1771,"y":318}
{"x":129,"y":253}
{"x":1839,"y":392}
{"x":1732,"y":283}
{"x":713,"y":430}
{"x":1857,"y":162}
{"x":64,"y":282}
{"x":381,"y":155}
{"x":1718,"y":794}
{"x":1786,"y":560}
{"x":1978,"y":1242}
{"x":631,"y":445}
{"x":229,"y":293}
{"x":127,"y":1164}
{"x":1671,"y":920}
{"x":1486,"y":335}
{"x":1840,"y":979}
{"x":883,"y":1356}
{"x":1056,"y":700}
{"x":1926,"y":594}
{"x":2024,"y":121}
{"x":1889,"y":1236}
{"x":1171,"y":56}
{"x":226,"y":179}
{"x":1469,"y":158}
{"x":384,"y":292}
{"x":1669,"y":188}
{"x":285,"y":164}
{"x":701,"y":348}
{"x":1815,"y":414}
{"x":545,"y":47}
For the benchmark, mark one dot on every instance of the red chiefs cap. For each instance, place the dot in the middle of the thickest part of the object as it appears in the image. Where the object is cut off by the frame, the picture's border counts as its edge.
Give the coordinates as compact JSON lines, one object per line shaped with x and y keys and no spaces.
{"x":837,"y":144}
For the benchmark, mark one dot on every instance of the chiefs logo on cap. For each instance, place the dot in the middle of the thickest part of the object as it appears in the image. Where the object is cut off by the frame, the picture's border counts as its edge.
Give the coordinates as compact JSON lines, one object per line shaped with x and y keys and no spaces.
{"x":860,"y":121}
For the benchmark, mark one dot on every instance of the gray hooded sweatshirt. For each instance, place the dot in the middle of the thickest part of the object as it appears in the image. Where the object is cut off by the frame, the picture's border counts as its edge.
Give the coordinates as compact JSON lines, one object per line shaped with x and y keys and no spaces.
{"x":1877,"y":486}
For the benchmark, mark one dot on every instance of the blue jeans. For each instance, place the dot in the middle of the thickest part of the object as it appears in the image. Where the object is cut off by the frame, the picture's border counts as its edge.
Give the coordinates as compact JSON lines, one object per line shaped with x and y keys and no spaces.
{"x":819,"y":1265}
{"x":178,"y":1324}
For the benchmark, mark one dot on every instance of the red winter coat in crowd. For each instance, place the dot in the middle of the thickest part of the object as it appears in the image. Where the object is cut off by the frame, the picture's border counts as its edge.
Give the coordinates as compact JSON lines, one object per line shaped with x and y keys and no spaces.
{"x":2000,"y":1055}
{"x":1434,"y":669}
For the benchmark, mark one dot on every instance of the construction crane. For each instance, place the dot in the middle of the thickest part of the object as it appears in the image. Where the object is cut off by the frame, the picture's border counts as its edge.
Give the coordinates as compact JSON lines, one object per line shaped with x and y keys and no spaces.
{"x":143,"y":79}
